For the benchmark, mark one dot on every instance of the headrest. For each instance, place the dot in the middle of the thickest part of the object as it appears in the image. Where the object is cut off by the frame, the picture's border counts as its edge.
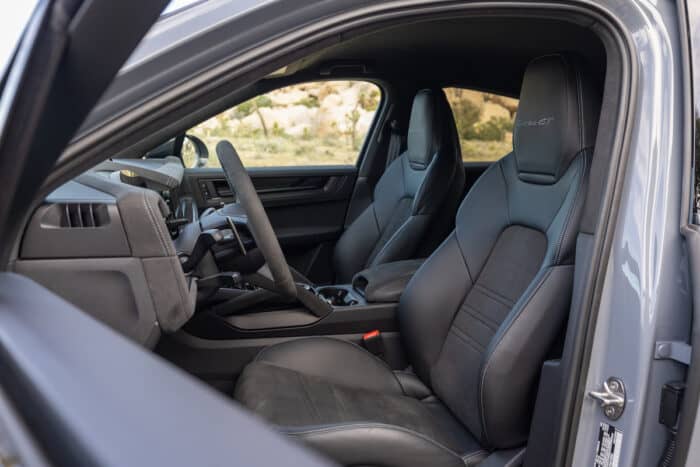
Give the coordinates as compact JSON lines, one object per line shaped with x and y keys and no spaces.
{"x":427,"y":127}
{"x":557,"y":117}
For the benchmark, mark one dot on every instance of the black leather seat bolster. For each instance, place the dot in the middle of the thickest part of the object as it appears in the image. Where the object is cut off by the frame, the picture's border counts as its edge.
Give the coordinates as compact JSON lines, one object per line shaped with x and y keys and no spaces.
{"x":412,"y":386}
{"x":402,"y":240}
{"x":381,"y":444}
{"x":336,"y":361}
{"x":507,"y":415}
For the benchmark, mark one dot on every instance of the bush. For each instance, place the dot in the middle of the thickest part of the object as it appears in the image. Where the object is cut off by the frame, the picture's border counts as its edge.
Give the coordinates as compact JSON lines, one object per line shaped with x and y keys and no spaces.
{"x":466,"y":114}
{"x":245,"y":131}
{"x":494,"y":129}
{"x":246,"y":108}
{"x":278,"y":130}
{"x":484,"y":151}
{"x":311,"y":101}
{"x":369,"y":102}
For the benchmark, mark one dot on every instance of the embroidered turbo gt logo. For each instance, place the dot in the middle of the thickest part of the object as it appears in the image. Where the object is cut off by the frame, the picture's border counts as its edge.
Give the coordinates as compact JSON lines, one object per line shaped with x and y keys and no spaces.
{"x":541,"y":122}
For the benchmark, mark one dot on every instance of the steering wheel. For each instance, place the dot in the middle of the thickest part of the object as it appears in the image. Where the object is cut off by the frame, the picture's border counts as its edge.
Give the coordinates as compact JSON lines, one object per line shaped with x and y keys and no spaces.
{"x":258,"y":222}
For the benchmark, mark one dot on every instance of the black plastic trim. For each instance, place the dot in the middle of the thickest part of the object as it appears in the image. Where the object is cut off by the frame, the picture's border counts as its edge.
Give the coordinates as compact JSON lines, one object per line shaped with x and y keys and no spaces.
{"x":342,"y":320}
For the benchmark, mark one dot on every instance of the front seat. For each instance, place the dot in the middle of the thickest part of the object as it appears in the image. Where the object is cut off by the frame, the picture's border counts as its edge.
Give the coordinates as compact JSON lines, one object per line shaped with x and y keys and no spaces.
{"x":477,"y":320}
{"x":419,"y":191}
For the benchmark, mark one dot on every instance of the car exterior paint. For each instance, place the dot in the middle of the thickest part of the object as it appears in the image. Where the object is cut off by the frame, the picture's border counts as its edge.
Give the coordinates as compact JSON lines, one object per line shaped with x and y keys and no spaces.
{"x":646,"y":295}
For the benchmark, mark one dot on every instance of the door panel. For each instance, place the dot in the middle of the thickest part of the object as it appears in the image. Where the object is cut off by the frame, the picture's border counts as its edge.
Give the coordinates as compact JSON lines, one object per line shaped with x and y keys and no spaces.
{"x":277,"y":187}
{"x":306,"y":206}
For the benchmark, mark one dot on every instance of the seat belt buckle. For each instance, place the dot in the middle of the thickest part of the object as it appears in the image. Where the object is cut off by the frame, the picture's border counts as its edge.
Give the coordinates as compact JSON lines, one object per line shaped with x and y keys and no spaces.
{"x":373,"y":342}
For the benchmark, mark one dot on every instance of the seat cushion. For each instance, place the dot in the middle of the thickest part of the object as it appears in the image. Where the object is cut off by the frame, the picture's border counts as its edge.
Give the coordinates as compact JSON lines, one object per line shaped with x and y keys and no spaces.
{"x":365,"y":417}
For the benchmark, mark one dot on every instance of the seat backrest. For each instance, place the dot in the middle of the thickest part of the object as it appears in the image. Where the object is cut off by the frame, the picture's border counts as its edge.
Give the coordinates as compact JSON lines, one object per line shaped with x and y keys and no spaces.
{"x":424,"y":180}
{"x":480,"y":315}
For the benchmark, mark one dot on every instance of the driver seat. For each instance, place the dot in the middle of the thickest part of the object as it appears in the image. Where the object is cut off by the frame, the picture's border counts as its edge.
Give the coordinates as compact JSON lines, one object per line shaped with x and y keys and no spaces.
{"x":477,"y":320}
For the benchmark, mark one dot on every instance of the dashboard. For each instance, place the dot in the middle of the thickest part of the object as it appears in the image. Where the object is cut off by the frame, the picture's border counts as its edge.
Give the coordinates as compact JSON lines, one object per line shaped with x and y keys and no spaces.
{"x":102,"y":243}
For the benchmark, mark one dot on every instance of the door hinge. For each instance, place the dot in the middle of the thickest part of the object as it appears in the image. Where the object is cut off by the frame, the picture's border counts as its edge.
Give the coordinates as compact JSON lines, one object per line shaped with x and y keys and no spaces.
{"x":673,"y":350}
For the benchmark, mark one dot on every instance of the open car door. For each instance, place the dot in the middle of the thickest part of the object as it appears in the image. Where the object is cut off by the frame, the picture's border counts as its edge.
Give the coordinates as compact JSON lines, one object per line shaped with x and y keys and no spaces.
{"x":73,"y":391}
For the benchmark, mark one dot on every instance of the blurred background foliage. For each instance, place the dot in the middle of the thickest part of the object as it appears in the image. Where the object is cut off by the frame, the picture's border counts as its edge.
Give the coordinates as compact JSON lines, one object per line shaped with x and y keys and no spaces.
{"x":484,"y":122}
{"x":325,"y":123}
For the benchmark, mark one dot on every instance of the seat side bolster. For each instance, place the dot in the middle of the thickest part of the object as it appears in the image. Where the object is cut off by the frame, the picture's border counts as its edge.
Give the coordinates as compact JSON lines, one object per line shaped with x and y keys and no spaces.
{"x":565,"y":226}
{"x":412,"y":385}
{"x":336,"y":361}
{"x":379,"y":444}
{"x":436,"y":183}
{"x":355,"y":245}
{"x":515,"y":354}
{"x":402,"y":244}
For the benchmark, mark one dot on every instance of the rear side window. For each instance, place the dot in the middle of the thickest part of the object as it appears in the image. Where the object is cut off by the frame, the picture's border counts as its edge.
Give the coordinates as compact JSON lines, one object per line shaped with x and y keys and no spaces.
{"x":309,"y":124}
{"x":484,"y":123}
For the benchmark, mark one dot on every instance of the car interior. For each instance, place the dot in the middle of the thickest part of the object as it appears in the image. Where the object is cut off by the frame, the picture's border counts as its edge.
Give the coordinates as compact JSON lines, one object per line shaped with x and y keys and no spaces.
{"x":394,"y":310}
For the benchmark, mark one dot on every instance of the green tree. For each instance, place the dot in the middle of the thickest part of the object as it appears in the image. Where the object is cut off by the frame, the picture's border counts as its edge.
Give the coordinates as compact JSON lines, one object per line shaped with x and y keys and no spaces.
{"x":467,"y":115}
{"x":310,"y":101}
{"x":369,"y":101}
{"x":351,"y":118}
{"x":508,"y":103}
{"x":251,"y":106}
{"x":494,"y":129}
{"x":278,"y":130}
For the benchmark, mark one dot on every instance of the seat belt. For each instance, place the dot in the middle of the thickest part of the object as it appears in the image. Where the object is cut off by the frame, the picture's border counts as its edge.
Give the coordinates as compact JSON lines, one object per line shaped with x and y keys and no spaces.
{"x":373,"y":342}
{"x":395,"y":143}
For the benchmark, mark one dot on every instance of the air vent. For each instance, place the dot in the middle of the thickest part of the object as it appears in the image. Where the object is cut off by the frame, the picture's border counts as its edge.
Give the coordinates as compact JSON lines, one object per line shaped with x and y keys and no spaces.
{"x":83,"y":215}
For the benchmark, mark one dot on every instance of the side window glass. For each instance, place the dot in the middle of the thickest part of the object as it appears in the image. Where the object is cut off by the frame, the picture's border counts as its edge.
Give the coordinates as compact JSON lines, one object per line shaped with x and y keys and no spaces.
{"x":484,"y":123}
{"x":310,"y":124}
{"x":693,"y":10}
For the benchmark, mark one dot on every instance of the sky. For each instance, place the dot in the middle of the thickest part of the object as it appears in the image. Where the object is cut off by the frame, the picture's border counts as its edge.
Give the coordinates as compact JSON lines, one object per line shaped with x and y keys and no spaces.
{"x":15,"y":16}
{"x":175,"y":4}
{"x":12,"y":21}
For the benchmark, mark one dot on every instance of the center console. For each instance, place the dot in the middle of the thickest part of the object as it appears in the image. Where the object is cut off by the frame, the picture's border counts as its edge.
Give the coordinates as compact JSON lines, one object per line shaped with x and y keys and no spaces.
{"x":380,"y":284}
{"x":368,"y":303}
{"x":340,"y":295}
{"x":224,"y":340}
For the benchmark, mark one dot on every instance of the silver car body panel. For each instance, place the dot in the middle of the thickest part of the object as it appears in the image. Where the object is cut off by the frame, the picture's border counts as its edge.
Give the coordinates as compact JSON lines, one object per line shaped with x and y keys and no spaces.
{"x":646,"y":295}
